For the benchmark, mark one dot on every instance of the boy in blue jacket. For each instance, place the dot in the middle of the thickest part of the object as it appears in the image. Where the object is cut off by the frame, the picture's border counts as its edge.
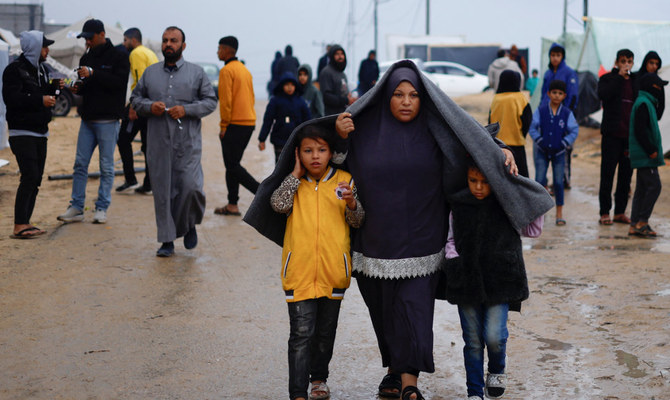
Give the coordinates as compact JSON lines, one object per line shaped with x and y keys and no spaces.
{"x":285,"y":111}
{"x":554,"y":129}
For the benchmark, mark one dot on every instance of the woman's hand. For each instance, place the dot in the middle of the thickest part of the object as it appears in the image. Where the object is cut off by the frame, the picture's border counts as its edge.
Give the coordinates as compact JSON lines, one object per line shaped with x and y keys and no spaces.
{"x":344,"y":125}
{"x":298,"y":171}
{"x":347,"y":195}
{"x":509,"y":160}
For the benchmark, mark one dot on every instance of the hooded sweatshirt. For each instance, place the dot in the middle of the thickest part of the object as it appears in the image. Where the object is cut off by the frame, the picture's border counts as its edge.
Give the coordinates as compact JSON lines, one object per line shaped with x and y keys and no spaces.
{"x":283,"y":113}
{"x":333,"y":83}
{"x":562,"y":73}
{"x":311,"y":94}
{"x":498,"y":66}
{"x":288,"y":63}
{"x":24,"y":83}
{"x":652,"y":55}
{"x":645,"y":135}
{"x":511,"y":110}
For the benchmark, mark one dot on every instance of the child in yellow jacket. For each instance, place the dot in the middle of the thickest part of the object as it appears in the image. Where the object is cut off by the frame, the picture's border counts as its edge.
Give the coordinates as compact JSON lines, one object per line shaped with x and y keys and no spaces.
{"x":321,"y":204}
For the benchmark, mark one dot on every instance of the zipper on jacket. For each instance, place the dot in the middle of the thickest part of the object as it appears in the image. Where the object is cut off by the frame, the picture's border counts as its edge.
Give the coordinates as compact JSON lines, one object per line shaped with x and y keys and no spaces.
{"x":316,"y":250}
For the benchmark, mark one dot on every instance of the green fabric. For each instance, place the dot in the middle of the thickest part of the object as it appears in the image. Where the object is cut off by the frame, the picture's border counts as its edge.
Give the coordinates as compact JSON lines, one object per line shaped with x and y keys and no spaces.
{"x":638,"y":157}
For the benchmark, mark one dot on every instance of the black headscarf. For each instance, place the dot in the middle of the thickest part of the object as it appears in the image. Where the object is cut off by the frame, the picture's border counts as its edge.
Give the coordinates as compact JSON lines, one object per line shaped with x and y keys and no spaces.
{"x":398,"y":170}
{"x":510,"y":81}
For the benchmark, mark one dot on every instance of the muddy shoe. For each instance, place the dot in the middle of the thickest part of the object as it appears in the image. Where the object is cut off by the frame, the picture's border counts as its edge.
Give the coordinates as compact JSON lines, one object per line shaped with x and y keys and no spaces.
{"x":71,"y":215}
{"x":495,"y":386}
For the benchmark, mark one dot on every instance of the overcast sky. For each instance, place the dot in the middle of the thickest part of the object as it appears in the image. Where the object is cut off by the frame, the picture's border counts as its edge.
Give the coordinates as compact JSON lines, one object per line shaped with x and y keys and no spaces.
{"x":265,"y":26}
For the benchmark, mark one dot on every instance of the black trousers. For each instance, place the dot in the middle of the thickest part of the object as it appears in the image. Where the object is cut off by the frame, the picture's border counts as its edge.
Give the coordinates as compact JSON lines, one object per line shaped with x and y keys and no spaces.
{"x":614,"y":152}
{"x":520,"y":159}
{"x":233,"y":144}
{"x":127,"y":134}
{"x":647,"y":190}
{"x":31,"y":154}
{"x":311,"y":342}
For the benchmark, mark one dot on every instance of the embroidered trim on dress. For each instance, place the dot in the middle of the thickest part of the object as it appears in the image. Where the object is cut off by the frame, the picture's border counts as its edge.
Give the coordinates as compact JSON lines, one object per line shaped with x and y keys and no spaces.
{"x":397,"y":268}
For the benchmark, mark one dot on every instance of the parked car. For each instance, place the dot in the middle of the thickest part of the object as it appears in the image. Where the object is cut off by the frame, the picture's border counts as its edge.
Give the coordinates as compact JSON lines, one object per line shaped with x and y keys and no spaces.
{"x":212,"y":71}
{"x":455,"y":79}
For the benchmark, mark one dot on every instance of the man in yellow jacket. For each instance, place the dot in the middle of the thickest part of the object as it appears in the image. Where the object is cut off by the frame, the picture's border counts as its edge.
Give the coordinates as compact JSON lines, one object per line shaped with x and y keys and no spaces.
{"x":238,"y":120}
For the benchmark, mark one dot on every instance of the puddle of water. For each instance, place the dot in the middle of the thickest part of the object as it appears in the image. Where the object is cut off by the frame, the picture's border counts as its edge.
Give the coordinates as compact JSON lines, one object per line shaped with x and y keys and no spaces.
{"x":552,"y":344}
{"x":631,"y":362}
{"x":665,"y":292}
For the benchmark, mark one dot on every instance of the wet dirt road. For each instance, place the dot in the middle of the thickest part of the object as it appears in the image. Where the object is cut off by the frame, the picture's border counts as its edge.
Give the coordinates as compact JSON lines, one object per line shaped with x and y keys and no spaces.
{"x":89,"y":312}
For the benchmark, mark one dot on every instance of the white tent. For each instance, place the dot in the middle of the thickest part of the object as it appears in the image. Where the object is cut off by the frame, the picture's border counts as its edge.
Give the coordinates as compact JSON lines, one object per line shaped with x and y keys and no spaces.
{"x":595,"y":50}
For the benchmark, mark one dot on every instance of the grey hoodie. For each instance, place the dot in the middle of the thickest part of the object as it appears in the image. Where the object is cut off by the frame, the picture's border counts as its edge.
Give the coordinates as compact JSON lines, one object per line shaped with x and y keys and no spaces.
{"x":31,"y":45}
{"x":311,"y":94}
{"x":498,"y":66}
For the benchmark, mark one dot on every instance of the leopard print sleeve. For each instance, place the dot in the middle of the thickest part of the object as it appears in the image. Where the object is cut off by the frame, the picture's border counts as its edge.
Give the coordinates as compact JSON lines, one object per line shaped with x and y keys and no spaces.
{"x":355,"y":217}
{"x":282,"y":198}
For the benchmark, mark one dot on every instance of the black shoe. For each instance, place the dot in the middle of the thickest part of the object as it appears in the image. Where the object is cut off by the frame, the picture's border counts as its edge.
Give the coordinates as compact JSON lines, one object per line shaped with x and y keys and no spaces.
{"x":126,"y":186}
{"x":143,"y":190}
{"x":191,"y":239}
{"x":166,"y":250}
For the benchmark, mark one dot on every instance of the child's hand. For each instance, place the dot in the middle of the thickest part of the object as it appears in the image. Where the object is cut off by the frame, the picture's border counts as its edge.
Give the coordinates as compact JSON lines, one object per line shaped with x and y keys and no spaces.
{"x":298,"y":170}
{"x":347,"y":195}
{"x":261,"y":146}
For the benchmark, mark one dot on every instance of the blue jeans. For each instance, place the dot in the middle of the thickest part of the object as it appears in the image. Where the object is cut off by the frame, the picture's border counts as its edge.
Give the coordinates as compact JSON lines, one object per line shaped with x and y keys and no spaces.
{"x":483,"y":326}
{"x":310,"y":344}
{"x":557,"y":171}
{"x":92,"y":134}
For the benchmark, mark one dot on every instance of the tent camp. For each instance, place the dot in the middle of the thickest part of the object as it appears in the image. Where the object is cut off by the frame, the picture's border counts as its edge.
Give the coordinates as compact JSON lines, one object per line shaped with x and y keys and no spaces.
{"x":68,"y":49}
{"x":594,"y":51}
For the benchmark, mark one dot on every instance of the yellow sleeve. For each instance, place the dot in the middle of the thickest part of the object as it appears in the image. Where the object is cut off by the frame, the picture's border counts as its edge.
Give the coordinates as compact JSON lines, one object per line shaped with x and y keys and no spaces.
{"x":225,"y":96}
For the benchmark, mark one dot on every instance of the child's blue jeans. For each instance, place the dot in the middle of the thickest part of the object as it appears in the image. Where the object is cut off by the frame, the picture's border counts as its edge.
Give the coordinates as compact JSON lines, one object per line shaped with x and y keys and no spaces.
{"x":310,"y":344}
{"x":557,"y":170}
{"x":483,"y":326}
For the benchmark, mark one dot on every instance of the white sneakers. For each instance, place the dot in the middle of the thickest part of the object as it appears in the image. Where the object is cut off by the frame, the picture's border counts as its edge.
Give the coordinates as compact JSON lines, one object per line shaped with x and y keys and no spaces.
{"x":74,"y":215}
{"x":71,"y":215}
{"x":100,"y":216}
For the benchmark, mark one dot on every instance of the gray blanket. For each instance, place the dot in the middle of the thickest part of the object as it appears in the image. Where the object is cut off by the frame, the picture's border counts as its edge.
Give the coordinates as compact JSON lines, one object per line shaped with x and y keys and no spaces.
{"x":457,"y":134}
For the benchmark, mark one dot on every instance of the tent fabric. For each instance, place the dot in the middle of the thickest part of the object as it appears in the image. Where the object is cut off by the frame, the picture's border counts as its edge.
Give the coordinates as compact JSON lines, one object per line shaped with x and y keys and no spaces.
{"x":68,"y":49}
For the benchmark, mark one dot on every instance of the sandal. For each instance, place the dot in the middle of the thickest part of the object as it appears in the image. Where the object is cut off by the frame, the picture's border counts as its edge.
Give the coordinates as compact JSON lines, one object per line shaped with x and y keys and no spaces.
{"x":560,"y":221}
{"x":408,"y":391}
{"x":644,"y":231}
{"x":28,"y":233}
{"x":390,"y":386}
{"x":320,"y":391}
{"x":605,"y":220}
{"x":621,"y":219}
{"x":495,"y":386}
{"x":225,"y":211}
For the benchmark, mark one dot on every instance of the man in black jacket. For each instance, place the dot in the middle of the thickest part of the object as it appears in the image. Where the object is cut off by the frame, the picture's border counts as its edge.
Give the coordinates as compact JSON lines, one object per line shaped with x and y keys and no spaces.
{"x":617,"y":91}
{"x":29,"y":97}
{"x":103,"y":71}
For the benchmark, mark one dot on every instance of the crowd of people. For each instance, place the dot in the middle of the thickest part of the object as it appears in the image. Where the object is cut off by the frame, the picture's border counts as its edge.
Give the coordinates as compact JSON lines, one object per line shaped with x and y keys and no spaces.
{"x":459,"y":193}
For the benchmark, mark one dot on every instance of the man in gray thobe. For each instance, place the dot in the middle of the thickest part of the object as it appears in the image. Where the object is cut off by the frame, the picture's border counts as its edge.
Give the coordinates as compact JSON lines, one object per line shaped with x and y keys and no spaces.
{"x":175,"y":95}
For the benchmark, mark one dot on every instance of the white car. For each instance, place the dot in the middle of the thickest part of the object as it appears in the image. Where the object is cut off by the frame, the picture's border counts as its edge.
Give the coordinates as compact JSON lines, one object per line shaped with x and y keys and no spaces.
{"x":455,"y":79}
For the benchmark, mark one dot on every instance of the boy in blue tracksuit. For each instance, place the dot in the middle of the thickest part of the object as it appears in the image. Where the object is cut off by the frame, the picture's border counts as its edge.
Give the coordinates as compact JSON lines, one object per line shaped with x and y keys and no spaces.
{"x":554,"y":129}
{"x":285,"y":111}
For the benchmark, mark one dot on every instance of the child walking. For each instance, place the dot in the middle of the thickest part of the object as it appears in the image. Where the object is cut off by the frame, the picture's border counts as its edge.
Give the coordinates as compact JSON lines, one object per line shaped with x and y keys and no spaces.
{"x":554,"y":129}
{"x":285,"y":111}
{"x":486,"y":278}
{"x":321,"y":204}
{"x":646,"y":152}
{"x":511,"y":110}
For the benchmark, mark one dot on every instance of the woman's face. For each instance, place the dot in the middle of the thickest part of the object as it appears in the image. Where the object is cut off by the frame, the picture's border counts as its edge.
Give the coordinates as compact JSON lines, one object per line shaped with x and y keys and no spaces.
{"x":405,"y":102}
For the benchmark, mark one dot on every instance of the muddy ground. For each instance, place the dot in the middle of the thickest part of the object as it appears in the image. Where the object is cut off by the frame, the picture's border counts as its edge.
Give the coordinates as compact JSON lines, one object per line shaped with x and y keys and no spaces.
{"x":89,"y":312}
